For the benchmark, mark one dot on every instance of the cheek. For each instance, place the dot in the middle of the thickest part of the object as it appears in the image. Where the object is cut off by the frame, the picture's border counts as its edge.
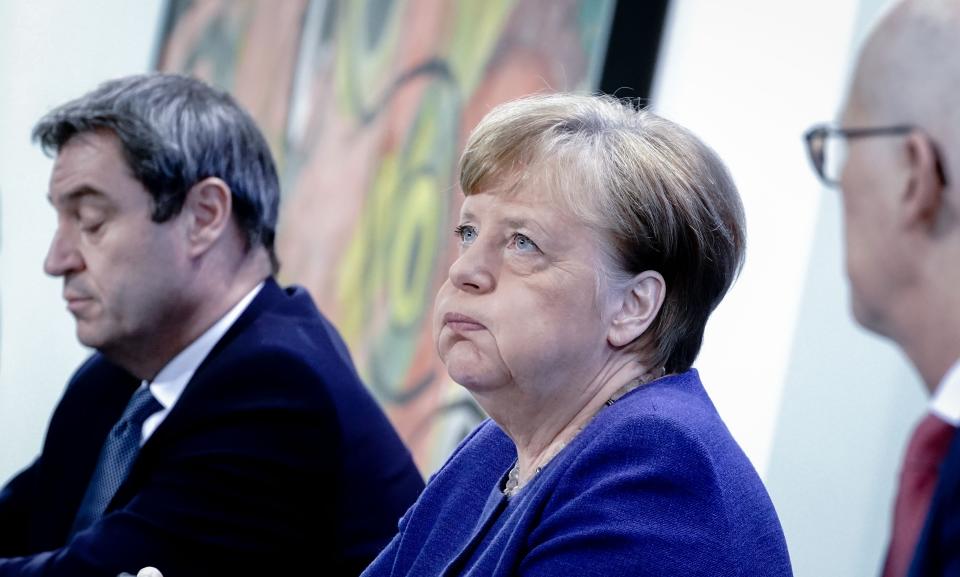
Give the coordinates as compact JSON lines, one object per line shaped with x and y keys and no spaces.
{"x":439,"y":310}
{"x":546,"y":326}
{"x":864,"y":232}
{"x":850,"y":246}
{"x":856,"y":231}
{"x":143,"y":282}
{"x":104,"y":276}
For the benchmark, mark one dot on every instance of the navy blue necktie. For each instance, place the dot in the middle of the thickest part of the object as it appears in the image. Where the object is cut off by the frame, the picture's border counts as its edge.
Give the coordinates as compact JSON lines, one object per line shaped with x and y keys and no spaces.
{"x":118,"y":453}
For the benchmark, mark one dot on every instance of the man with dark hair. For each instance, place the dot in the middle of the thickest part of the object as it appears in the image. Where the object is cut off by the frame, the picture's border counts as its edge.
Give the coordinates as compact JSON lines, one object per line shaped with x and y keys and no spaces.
{"x":220,"y":428}
{"x":896,"y":157}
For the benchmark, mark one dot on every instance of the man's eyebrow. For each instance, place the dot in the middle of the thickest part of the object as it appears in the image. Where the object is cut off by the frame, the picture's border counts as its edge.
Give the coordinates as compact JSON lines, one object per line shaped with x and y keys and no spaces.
{"x":74,"y":196}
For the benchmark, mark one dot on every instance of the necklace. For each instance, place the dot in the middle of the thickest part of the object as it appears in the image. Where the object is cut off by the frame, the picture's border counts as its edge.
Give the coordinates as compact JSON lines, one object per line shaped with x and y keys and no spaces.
{"x":513,"y":484}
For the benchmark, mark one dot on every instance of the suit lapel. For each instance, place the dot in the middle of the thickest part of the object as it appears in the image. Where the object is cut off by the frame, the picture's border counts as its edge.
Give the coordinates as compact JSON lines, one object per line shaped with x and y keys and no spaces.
{"x":196,"y":398}
{"x":75,"y":438}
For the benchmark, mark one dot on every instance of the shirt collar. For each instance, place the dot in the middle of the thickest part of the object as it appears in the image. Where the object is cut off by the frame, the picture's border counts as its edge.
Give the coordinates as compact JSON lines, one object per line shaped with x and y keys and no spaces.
{"x":174,"y":376}
{"x":945,"y":402}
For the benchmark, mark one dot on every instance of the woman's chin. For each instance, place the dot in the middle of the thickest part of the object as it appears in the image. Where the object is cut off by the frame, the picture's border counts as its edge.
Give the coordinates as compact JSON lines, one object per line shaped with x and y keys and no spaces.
{"x":472,"y":377}
{"x":466,"y":378}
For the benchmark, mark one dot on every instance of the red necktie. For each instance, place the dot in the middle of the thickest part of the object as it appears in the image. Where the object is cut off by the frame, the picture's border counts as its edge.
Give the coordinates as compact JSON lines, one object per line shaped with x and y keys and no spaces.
{"x":918,"y":477}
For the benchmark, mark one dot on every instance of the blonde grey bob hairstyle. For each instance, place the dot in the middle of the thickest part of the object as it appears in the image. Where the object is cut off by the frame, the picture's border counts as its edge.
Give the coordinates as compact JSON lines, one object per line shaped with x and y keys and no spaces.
{"x":659,"y":196}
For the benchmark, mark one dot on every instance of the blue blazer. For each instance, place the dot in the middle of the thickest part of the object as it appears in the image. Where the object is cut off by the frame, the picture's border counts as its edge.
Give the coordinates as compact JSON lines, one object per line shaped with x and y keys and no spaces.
{"x":938,"y":549}
{"x":653,"y":486}
{"x":274,"y":459}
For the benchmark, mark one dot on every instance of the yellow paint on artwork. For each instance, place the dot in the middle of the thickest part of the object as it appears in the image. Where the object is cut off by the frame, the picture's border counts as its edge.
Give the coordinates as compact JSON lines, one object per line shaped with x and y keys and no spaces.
{"x":411,"y":256}
{"x":423,"y":146}
{"x":359,"y":275}
{"x":477,"y":30}
{"x":363,"y":63}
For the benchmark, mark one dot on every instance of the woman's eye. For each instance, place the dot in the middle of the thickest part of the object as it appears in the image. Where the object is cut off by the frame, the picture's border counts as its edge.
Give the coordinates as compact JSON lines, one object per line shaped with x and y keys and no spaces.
{"x":524,"y":244}
{"x":466,"y":233}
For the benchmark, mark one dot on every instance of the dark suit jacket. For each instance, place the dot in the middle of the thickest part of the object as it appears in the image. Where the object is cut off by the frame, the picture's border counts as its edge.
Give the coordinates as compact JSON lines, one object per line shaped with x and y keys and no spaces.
{"x":275,"y":459}
{"x":938,"y":550}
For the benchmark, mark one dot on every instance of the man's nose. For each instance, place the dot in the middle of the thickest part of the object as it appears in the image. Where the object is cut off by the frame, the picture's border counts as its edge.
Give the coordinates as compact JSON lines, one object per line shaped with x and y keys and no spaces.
{"x":63,"y":256}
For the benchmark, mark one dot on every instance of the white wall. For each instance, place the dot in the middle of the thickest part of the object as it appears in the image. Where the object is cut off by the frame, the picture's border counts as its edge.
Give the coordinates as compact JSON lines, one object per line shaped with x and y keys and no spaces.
{"x":748,"y":76}
{"x":50,"y":51}
{"x":820,"y":406}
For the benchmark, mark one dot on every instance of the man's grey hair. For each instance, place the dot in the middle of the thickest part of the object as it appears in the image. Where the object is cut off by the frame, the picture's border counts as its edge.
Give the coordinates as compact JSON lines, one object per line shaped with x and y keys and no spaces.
{"x":176,"y":131}
{"x":660,"y":198}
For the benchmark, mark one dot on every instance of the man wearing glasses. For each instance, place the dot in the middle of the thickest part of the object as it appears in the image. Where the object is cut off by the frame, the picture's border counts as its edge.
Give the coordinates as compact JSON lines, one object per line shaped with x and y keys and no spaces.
{"x":895,"y":155}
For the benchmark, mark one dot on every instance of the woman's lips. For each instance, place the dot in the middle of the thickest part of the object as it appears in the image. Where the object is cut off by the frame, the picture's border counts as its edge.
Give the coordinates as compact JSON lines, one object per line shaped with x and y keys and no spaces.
{"x":461,"y":322}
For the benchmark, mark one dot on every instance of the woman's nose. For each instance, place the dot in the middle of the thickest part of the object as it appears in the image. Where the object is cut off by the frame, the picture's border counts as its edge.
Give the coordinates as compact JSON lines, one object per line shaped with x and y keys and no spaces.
{"x":474,"y":271}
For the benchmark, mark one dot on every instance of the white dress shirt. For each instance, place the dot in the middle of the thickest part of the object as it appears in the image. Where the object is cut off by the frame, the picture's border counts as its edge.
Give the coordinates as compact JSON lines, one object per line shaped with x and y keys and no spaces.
{"x":172,"y":379}
{"x":945,"y":402}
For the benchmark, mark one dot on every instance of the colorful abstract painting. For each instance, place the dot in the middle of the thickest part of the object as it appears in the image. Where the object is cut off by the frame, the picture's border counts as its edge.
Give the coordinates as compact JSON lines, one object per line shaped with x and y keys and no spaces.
{"x":367,"y":104}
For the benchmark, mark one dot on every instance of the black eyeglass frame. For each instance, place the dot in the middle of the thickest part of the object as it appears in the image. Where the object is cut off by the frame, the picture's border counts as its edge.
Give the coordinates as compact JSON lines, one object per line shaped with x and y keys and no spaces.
{"x":821,"y":132}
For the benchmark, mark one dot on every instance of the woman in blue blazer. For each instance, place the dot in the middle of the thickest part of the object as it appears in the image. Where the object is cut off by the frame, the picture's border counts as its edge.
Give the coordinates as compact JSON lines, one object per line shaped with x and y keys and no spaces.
{"x":595,"y":241}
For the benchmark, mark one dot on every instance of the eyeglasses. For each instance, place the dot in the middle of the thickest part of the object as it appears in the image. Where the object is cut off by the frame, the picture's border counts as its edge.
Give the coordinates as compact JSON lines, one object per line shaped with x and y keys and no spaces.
{"x":827,"y":147}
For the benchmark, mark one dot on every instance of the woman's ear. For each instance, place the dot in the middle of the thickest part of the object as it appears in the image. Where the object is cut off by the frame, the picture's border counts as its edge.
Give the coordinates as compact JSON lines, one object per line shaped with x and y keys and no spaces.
{"x":640,"y":303}
{"x":207,"y":209}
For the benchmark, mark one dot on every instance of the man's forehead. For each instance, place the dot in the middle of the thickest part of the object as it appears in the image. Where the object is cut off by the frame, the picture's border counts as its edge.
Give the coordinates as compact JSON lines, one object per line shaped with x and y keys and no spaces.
{"x":87,"y":166}
{"x":98,"y":140}
{"x":902,"y":73}
{"x":872,"y":95}
{"x":850,"y":113}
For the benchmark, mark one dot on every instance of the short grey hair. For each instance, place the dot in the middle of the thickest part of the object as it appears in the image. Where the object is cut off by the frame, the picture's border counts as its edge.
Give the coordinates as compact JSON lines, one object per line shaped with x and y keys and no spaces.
{"x":175,"y":131}
{"x":657,"y":195}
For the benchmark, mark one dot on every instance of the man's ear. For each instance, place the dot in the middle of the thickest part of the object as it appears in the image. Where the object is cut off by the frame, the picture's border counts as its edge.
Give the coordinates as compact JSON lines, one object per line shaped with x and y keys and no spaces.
{"x":638,"y":308}
{"x":207,"y":209}
{"x":923,"y":198}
